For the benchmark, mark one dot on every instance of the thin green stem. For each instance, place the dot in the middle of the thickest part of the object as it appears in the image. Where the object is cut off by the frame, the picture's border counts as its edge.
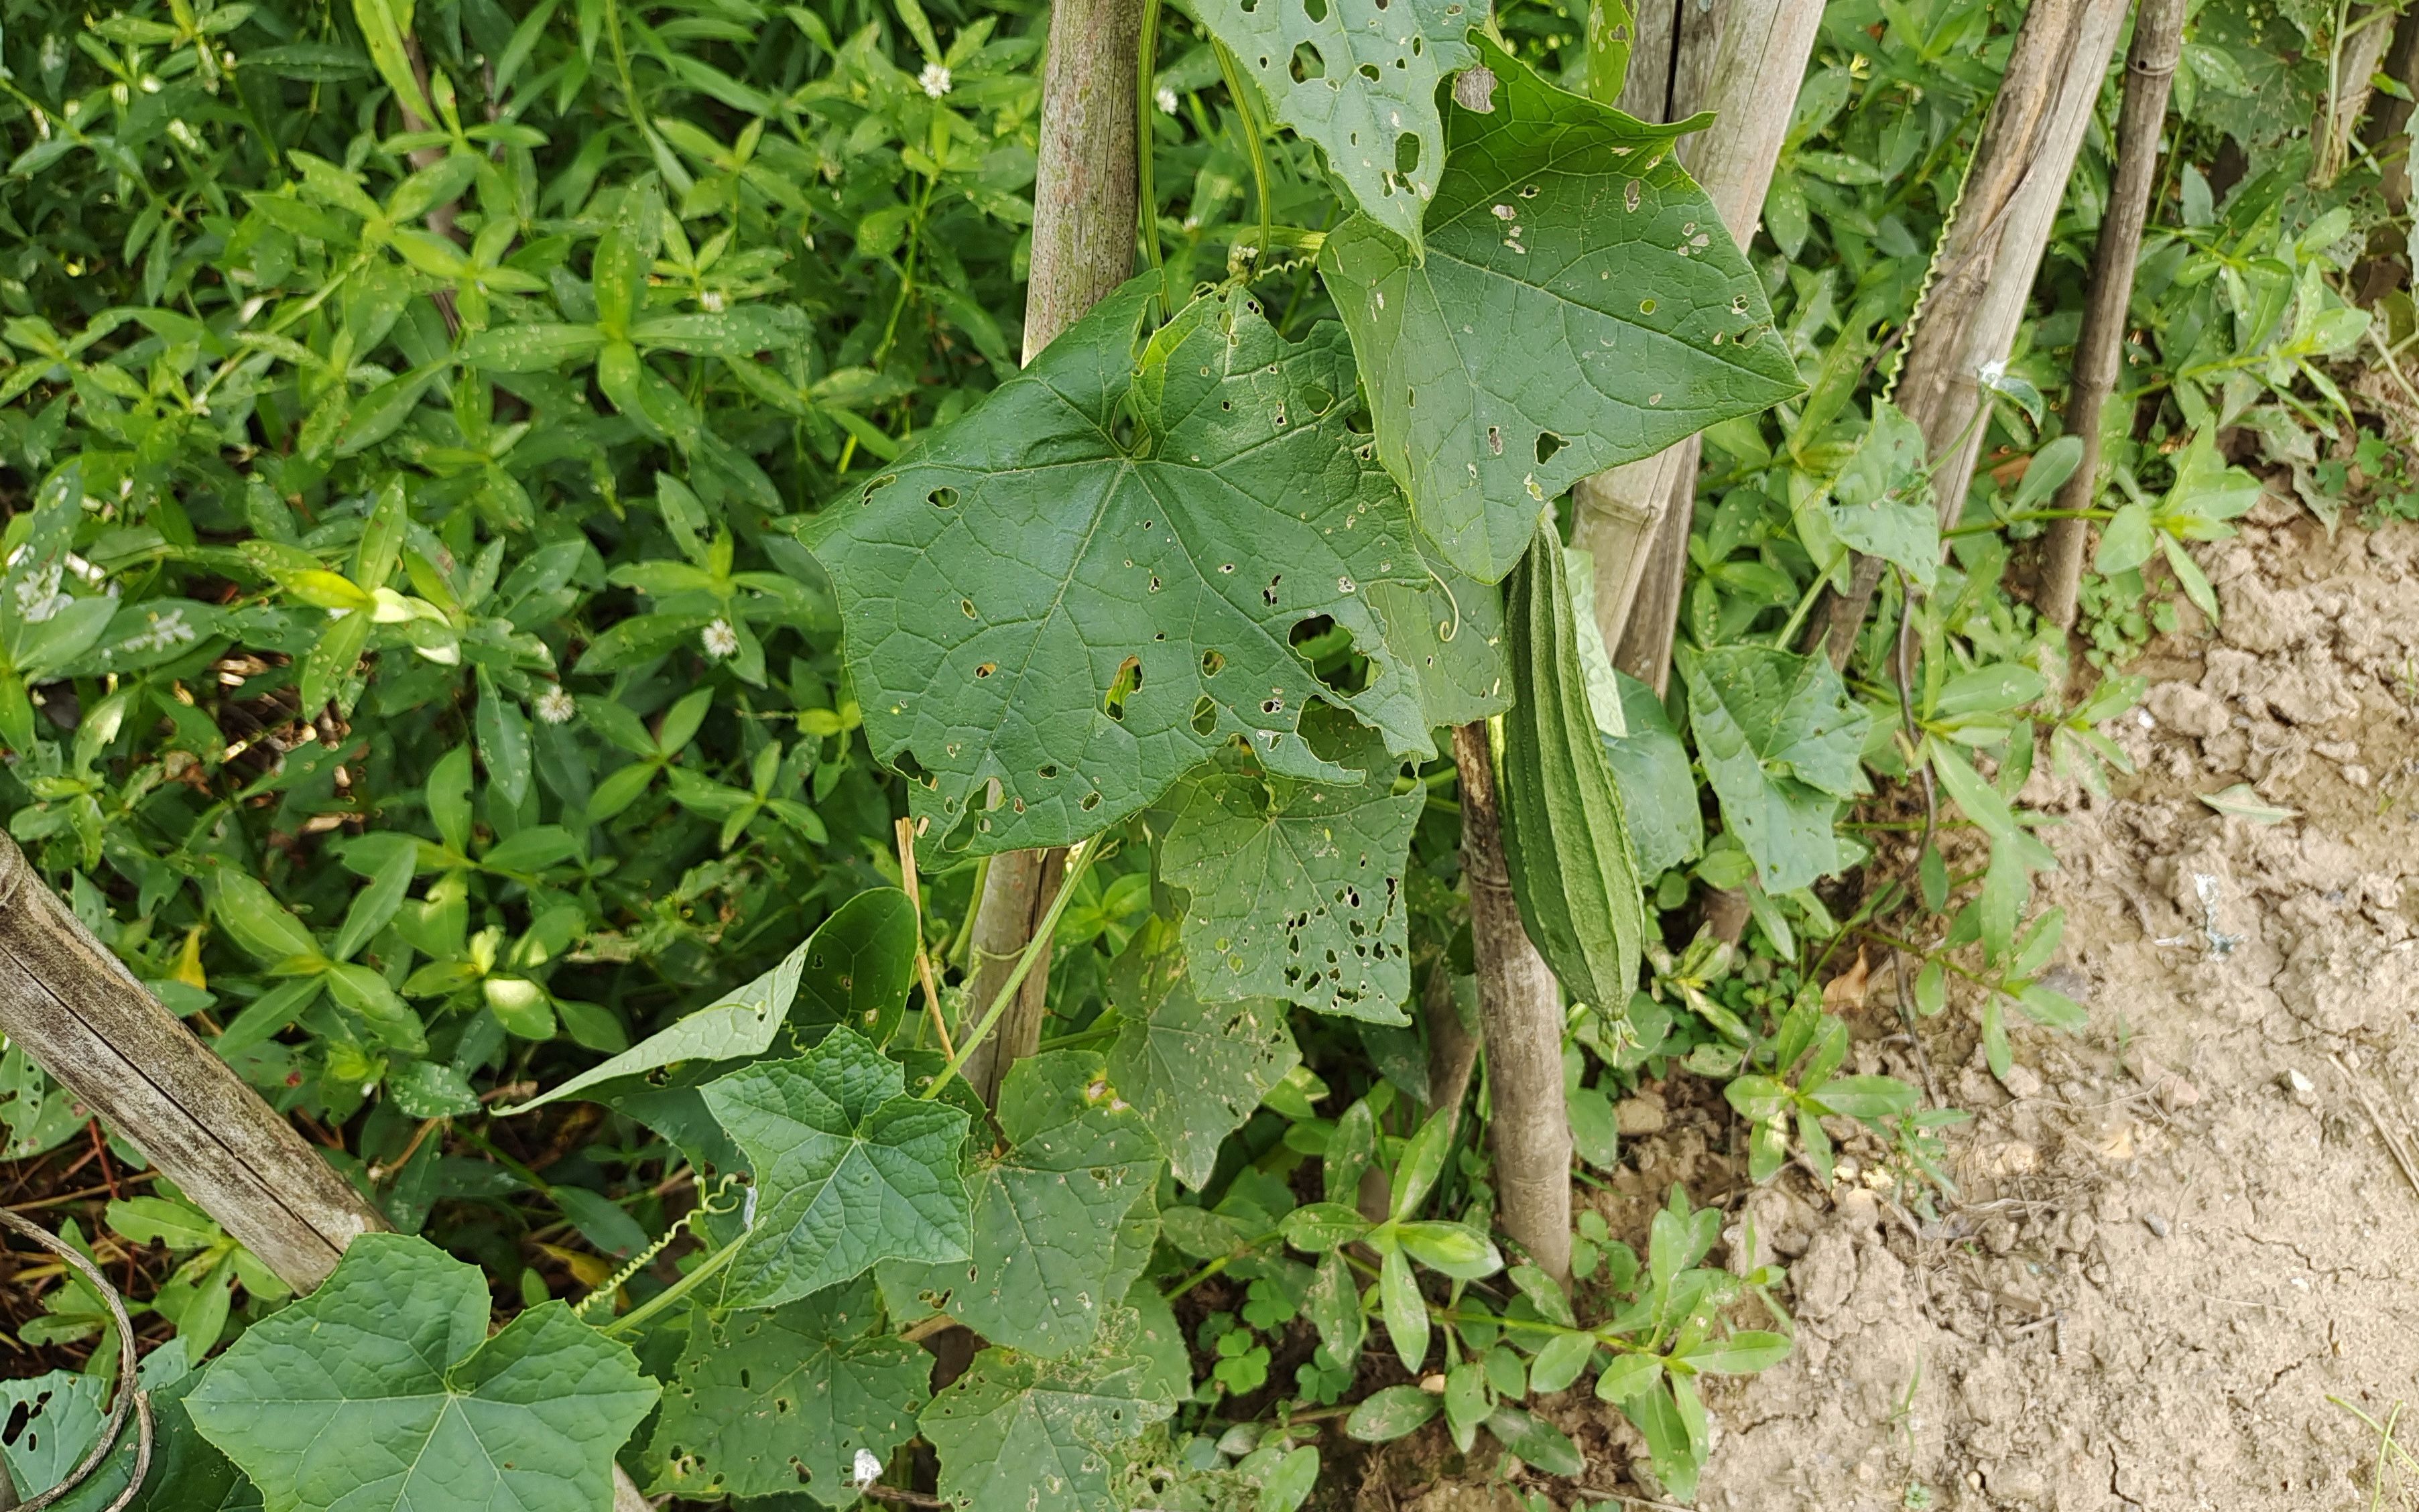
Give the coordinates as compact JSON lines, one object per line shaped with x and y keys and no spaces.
{"x":1254,"y":135}
{"x":1806,"y":603}
{"x":1080,"y":1037}
{"x":2025,"y":516}
{"x":1147,"y":65}
{"x":956,"y":953}
{"x":1085,"y":854}
{"x":713,"y":1263}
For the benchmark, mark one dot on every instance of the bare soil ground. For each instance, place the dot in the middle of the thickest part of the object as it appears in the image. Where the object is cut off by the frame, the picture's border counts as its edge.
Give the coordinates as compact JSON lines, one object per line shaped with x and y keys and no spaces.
{"x":2184,"y":1241}
{"x":2183,"y":1248}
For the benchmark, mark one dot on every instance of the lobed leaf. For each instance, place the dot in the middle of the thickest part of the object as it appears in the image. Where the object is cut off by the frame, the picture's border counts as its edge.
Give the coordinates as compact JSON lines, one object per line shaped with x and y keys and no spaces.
{"x":848,"y":1170}
{"x":1086,"y":584}
{"x":382,"y":1390}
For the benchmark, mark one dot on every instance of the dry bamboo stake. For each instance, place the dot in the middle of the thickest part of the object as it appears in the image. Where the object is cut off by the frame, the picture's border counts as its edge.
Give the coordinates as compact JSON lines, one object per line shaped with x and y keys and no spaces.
{"x":1519,"y":1012}
{"x":2391,"y":116}
{"x":1989,"y":253}
{"x":2150,"y":69}
{"x":88,"y":1021}
{"x":2354,"y":60}
{"x":1725,"y":58}
{"x":1084,"y":219}
{"x":1453,"y":1050}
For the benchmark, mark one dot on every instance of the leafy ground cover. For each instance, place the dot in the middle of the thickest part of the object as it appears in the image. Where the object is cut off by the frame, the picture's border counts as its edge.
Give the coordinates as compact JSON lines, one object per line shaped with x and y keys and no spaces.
{"x":508,"y":509}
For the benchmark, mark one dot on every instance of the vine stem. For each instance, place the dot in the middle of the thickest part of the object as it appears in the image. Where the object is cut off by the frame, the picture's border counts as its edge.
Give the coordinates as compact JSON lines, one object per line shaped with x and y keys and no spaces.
{"x":1147,"y":199}
{"x":1085,"y":853}
{"x":131,"y":1399}
{"x":677,"y":1290}
{"x":1255,"y":144}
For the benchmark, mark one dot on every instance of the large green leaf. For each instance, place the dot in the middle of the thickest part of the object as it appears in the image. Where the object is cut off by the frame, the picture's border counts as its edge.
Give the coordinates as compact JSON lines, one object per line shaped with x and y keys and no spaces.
{"x":1296,"y":886}
{"x":1779,"y":737}
{"x":1196,"y":1069}
{"x":1088,"y":583}
{"x":764,"y":1403}
{"x":1659,"y":791}
{"x":1358,"y":77}
{"x":382,"y":1390}
{"x":848,"y":1170}
{"x":1580,"y":307}
{"x":1020,"y":1431}
{"x":1049,"y":1256}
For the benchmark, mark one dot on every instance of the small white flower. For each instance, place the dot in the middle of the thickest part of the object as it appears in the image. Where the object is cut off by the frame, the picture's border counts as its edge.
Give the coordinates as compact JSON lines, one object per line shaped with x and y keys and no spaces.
{"x":1166,"y":100}
{"x":39,"y":598}
{"x":868,"y":1468}
{"x":722,"y":640}
{"x":555,"y":706}
{"x":934,"y":80}
{"x":166,"y":630}
{"x":1993,"y":373}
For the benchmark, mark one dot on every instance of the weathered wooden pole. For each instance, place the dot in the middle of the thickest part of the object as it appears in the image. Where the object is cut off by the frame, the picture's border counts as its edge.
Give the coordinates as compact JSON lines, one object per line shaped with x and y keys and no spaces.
{"x":1983,"y":275}
{"x":1083,"y":218}
{"x":82,"y":1016}
{"x":1521,"y":1021}
{"x":1741,"y":59}
{"x":2099,"y":350}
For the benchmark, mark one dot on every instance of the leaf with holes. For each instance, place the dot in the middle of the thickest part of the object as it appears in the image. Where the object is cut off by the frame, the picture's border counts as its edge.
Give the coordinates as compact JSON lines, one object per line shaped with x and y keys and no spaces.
{"x":1088,"y":583}
{"x":1049,"y":1252}
{"x":1359,"y":78}
{"x":1779,"y":737}
{"x":62,"y":1413}
{"x":848,"y":1170}
{"x":771,"y":1402}
{"x":859,"y":963}
{"x":381,"y":1390}
{"x":1017,"y":1430}
{"x":1295,"y":888}
{"x":1580,"y":307}
{"x":1194,"y":1069}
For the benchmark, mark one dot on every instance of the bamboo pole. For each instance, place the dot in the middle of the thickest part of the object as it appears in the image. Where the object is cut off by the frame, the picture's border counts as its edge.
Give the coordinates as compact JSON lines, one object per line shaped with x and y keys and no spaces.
{"x":1520,"y":1019}
{"x":1084,"y":217}
{"x":79,"y":1013}
{"x":2150,"y":69}
{"x":1983,"y":276}
{"x":1741,"y":59}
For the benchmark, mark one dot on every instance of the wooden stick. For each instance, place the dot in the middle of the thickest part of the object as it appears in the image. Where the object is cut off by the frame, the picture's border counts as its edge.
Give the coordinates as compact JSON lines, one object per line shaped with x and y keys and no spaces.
{"x":1085,"y":198}
{"x":84,"y":1018}
{"x":2150,"y":69}
{"x":1520,"y":1019}
{"x":1741,"y":59}
{"x":1453,"y":1050}
{"x":1989,"y":253}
